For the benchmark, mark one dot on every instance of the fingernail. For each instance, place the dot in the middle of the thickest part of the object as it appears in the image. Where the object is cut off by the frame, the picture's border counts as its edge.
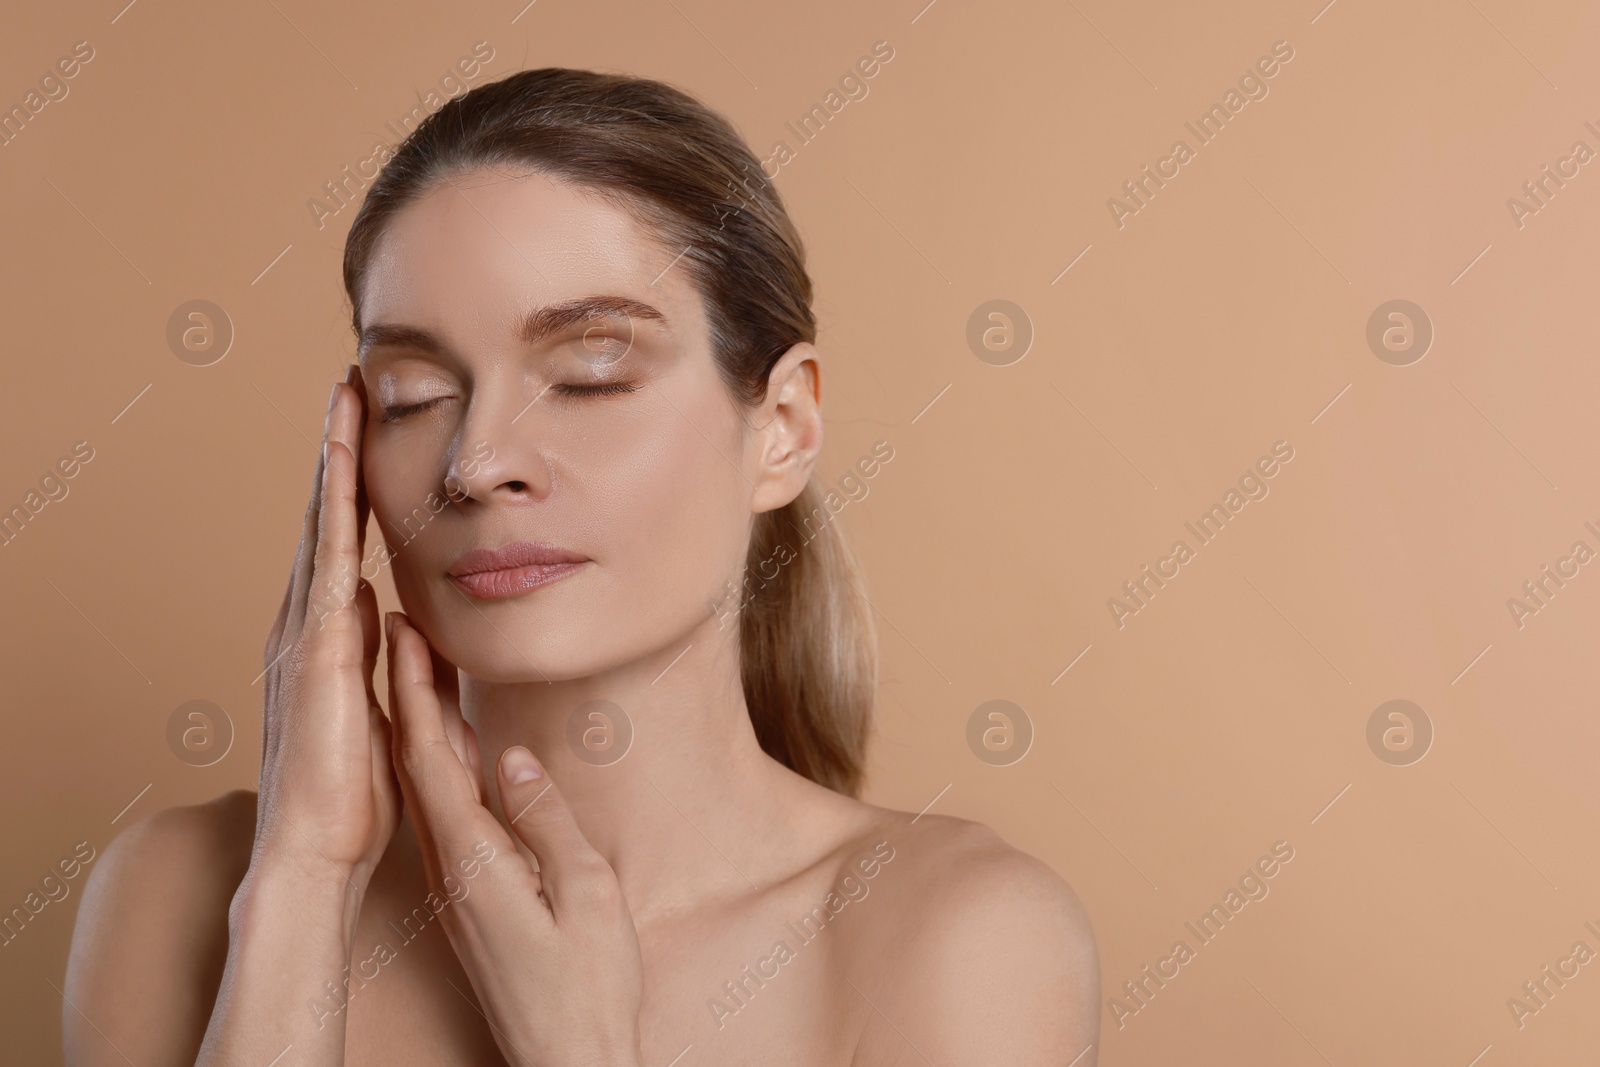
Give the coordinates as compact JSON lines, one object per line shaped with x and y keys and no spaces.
{"x":388,"y":625}
{"x":333,"y":396}
{"x":520,"y":766}
{"x":350,"y":375}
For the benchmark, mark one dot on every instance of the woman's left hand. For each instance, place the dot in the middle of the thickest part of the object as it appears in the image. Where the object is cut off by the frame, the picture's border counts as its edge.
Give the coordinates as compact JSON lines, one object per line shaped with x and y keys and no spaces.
{"x":553,"y":954}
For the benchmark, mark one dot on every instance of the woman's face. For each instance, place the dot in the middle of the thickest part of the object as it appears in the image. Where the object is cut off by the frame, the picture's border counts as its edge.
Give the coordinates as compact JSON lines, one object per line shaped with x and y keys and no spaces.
{"x":503,"y":408}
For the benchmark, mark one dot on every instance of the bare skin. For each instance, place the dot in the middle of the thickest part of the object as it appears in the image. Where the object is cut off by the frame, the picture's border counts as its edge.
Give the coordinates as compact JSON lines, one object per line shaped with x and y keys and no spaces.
{"x":619,"y":913}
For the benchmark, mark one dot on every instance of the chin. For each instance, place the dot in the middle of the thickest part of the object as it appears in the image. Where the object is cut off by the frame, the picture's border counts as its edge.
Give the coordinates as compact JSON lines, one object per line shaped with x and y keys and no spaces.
{"x":498,"y":647}
{"x":568,"y":630}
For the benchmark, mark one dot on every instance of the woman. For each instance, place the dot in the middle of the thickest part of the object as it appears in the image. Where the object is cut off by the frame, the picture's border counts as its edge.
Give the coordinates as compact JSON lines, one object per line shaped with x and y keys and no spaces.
{"x":630,"y":691}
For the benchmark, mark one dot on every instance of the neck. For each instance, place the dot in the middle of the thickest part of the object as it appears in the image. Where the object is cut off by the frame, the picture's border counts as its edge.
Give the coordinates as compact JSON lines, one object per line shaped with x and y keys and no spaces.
{"x":686,"y":812}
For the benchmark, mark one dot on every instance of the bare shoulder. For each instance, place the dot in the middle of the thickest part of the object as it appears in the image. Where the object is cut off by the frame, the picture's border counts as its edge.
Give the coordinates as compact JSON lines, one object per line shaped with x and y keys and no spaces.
{"x":151,"y":936}
{"x":978,"y":953}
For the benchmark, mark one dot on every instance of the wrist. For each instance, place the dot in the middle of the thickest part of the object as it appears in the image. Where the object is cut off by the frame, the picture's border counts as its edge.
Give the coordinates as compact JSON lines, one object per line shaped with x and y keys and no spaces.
{"x":621,"y":1055}
{"x":287,"y":886}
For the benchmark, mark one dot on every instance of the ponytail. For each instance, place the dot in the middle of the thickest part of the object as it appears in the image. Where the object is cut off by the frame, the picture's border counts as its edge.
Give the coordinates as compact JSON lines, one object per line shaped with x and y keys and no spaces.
{"x":808,"y":646}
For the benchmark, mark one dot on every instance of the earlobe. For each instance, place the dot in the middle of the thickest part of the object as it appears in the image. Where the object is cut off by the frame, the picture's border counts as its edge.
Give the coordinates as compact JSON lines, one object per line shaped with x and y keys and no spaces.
{"x":792,"y":434}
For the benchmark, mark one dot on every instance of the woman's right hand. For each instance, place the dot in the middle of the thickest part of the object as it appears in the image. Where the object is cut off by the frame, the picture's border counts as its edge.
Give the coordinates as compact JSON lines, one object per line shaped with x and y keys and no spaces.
{"x":328,"y":799}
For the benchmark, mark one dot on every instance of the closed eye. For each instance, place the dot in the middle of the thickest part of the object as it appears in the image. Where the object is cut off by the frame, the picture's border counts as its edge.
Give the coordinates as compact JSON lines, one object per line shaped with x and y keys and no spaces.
{"x":609,"y":389}
{"x":391,"y":414}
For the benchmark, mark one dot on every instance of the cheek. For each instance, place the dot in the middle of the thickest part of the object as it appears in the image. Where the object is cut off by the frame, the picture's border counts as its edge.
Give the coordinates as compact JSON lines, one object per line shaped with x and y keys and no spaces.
{"x":670,"y":510}
{"x":403,"y":503}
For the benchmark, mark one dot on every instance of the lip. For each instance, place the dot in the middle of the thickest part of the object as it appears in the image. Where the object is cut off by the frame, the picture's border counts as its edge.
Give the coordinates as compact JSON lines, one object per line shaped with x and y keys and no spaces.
{"x":512,"y":570}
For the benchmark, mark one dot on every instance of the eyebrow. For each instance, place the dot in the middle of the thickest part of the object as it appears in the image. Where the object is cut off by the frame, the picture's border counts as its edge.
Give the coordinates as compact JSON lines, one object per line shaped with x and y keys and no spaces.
{"x":536,"y":325}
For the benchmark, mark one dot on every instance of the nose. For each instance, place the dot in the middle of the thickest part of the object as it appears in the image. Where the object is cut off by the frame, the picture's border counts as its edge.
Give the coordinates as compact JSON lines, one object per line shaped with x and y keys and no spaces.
{"x":497,"y":453}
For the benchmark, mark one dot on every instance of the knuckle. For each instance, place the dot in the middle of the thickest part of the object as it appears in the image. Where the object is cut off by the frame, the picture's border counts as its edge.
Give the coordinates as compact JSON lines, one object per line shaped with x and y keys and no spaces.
{"x":415,"y":753}
{"x":593,"y":883}
{"x":332,"y":613}
{"x":411,"y":759}
{"x":326,"y":649}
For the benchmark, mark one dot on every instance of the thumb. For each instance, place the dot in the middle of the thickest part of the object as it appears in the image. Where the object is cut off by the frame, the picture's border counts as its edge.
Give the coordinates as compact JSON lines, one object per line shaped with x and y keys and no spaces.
{"x":571,"y":872}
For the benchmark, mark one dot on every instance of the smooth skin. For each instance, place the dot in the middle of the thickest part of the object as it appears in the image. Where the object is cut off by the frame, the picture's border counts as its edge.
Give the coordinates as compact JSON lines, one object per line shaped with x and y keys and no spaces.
{"x":496,"y":896}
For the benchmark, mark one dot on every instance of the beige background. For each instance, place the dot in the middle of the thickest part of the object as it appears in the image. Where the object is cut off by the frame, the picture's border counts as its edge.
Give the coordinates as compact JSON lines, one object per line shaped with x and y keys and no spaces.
{"x":1229,"y":714}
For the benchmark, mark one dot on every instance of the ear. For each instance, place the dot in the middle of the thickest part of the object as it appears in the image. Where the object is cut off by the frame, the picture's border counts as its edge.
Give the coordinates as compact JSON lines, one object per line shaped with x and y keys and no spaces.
{"x":787,"y":435}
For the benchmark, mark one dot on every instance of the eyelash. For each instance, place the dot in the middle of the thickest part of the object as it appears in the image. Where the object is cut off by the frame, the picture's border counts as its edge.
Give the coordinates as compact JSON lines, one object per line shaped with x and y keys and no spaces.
{"x":609,"y":389}
{"x":391,"y":414}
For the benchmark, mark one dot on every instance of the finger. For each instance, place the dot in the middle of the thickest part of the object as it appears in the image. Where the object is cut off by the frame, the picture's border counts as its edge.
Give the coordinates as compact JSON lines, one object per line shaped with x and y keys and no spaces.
{"x":575,"y":877}
{"x":338,"y":556}
{"x":447,"y":814}
{"x":447,"y":687}
{"x":366,"y":596}
{"x":308,"y":531}
{"x":274,"y":645}
{"x":292,"y":611}
{"x":358,"y":384}
{"x":384,"y":780}
{"x":345,"y":423}
{"x":367,"y":606}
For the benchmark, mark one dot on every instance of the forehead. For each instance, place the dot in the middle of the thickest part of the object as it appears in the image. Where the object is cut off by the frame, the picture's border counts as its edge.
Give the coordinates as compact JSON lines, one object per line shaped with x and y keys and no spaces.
{"x":480,"y":249}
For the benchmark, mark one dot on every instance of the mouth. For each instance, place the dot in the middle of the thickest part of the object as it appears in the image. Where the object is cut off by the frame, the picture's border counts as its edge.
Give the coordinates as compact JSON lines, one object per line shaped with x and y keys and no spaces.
{"x":512,"y":570}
